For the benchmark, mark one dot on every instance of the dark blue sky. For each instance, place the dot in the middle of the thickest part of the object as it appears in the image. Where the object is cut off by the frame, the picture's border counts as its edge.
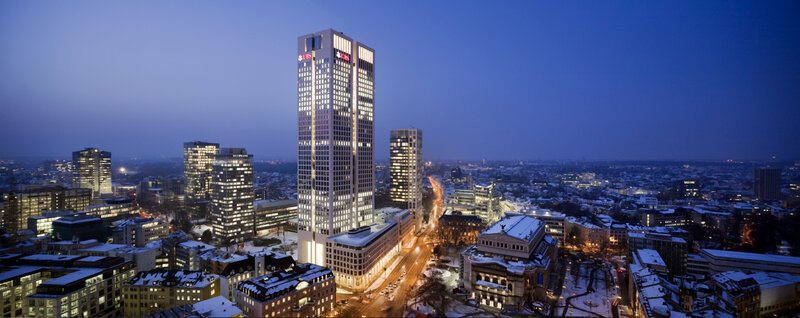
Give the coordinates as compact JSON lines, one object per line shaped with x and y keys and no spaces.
{"x":521,"y":80}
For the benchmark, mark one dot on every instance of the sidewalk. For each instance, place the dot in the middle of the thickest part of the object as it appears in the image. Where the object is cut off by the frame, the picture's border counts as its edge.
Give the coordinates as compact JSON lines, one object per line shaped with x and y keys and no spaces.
{"x":378,"y":282}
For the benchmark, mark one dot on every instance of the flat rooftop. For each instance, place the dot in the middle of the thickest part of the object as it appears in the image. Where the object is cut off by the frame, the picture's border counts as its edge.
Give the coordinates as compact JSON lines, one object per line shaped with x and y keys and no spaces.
{"x":793,"y":260}
{"x":16,"y":271}
{"x":364,"y":236}
{"x":75,"y":275}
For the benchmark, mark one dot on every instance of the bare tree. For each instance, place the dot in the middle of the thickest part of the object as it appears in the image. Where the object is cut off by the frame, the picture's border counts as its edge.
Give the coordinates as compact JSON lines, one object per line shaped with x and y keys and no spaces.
{"x":432,"y":292}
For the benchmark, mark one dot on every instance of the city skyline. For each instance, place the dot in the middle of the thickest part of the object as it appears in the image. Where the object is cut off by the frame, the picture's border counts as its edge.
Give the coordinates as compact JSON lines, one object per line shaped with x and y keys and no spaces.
{"x":597,"y":82}
{"x":580,"y":159}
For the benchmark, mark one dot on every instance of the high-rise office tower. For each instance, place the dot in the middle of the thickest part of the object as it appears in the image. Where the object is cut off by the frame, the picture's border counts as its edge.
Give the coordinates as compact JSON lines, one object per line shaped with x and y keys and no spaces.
{"x":198,"y":161}
{"x":232,"y":195}
{"x":335,"y":166}
{"x":92,"y":170}
{"x":405,"y":169}
{"x":767,"y":183}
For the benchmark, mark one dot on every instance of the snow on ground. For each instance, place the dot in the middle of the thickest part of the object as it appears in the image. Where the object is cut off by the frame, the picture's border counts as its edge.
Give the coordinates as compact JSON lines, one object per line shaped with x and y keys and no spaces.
{"x":198,"y":230}
{"x":287,"y":246}
{"x":459,"y":309}
{"x":454,"y":262}
{"x":455,"y":308}
{"x":444,"y":273}
{"x":420,"y":307}
{"x":598,"y":302}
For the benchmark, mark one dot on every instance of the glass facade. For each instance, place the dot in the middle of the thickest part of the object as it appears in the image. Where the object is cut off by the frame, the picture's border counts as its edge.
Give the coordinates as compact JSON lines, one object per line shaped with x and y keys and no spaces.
{"x":232,"y":195}
{"x":92,"y":170}
{"x":406,"y":169}
{"x":198,"y":161}
{"x":335,"y":170}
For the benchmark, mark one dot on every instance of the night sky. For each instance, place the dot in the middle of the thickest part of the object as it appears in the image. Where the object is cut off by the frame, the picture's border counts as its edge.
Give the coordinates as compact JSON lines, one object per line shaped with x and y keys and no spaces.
{"x":588,"y":80}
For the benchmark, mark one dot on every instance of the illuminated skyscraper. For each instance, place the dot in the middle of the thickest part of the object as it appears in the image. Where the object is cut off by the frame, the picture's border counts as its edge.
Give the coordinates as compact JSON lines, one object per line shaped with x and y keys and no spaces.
{"x":335,"y":155}
{"x":198,"y":161}
{"x":92,"y":170}
{"x":405,"y":169}
{"x":232,"y":195}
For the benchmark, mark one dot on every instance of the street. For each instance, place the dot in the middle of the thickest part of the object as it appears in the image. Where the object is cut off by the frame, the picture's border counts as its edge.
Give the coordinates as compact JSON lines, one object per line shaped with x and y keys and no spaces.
{"x":413,"y":260}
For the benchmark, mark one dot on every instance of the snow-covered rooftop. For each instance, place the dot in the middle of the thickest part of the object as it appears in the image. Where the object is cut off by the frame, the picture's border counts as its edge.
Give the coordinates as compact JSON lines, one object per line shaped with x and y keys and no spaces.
{"x":522,"y":227}
{"x":79,"y":274}
{"x":363,"y":236}
{"x":650,"y":257}
{"x":196,"y":245}
{"x":49,"y":257}
{"x":102,"y":247}
{"x":217,"y":307}
{"x":765,"y":280}
{"x":546,"y":213}
{"x":280,"y":283}
{"x":162,"y":277}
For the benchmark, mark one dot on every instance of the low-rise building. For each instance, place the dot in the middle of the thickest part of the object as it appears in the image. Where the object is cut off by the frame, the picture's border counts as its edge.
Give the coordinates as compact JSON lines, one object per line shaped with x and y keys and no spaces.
{"x":757,"y":294}
{"x":271,"y":216}
{"x":34,"y":201}
{"x":143,"y":257}
{"x":711,"y":219}
{"x":581,"y":231}
{"x":649,"y":295}
{"x":668,"y":217}
{"x":234,"y":268}
{"x":649,"y":258}
{"x":305,"y":290}
{"x":553,"y":222}
{"x":43,"y":224}
{"x":687,"y":189}
{"x":155,"y":290}
{"x":82,"y":227}
{"x":210,"y":308}
{"x":696,"y":266}
{"x":43,"y":285}
{"x":139,"y":231}
{"x":403,"y":217}
{"x":113,"y":209}
{"x":179,"y":251}
{"x":717,"y":261}
{"x":510,"y":265}
{"x":459,"y":229}
{"x":673,"y":250}
{"x":359,"y":256}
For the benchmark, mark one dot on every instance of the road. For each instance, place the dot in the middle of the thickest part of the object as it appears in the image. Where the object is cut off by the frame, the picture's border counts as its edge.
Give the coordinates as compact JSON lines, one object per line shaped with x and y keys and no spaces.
{"x":413,"y":260}
{"x":438,"y":201}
